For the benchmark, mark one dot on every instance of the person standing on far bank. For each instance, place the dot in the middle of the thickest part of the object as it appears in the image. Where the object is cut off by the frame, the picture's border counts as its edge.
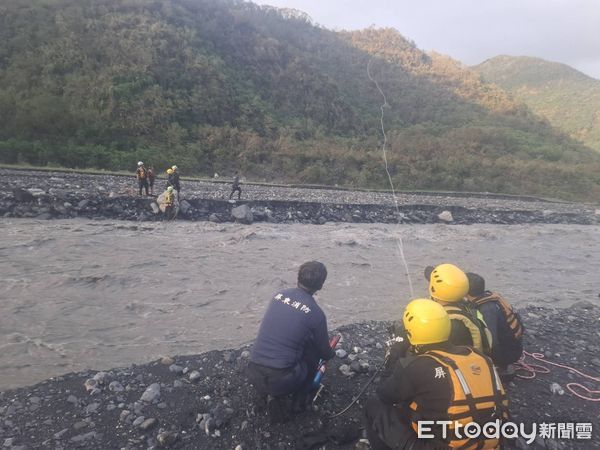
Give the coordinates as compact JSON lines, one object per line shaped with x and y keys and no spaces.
{"x":151,"y":178}
{"x":169,"y":177}
{"x":176,"y":182}
{"x":142,"y":176}
{"x":235,"y":186}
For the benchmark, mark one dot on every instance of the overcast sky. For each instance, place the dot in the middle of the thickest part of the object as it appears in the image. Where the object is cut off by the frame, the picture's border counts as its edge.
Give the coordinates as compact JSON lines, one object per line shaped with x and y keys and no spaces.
{"x":472,"y":31}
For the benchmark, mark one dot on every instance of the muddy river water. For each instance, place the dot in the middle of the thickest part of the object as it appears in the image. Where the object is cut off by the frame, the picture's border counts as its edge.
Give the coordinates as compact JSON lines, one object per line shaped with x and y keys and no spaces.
{"x":78,"y":294}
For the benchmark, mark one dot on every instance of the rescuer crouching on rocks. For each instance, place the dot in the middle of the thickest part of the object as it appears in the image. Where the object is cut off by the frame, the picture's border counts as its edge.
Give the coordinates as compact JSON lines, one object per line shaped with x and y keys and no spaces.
{"x":504,"y":324}
{"x":429,"y":379}
{"x":448,"y":286}
{"x":292,"y":338}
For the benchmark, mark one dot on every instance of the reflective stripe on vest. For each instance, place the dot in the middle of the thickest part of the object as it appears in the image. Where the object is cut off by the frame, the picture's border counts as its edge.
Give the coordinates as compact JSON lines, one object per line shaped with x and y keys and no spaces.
{"x":512,"y":320}
{"x":477,"y":396}
{"x":480,"y":335}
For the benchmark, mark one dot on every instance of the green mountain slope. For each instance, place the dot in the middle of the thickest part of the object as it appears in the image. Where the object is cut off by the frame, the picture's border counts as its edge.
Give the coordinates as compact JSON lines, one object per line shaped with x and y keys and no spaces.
{"x":215,"y":85}
{"x":569,"y":99}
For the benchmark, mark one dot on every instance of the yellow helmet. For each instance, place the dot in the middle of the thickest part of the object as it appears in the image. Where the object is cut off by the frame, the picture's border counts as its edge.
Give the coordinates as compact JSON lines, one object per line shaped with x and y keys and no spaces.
{"x":169,"y":171}
{"x":426,"y":322}
{"x":448,"y":283}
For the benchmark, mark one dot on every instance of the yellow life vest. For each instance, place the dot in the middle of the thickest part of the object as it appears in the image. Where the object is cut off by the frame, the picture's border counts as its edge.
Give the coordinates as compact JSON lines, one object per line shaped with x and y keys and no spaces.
{"x":477,"y":396}
{"x":473,"y":321}
{"x":169,"y":198}
{"x":511,"y":317}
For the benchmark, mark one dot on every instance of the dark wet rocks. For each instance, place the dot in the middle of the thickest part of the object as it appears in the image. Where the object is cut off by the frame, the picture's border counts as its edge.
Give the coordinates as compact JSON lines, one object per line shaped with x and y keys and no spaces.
{"x":341,"y":353}
{"x":151,"y":393}
{"x":194,"y":376}
{"x":221,"y":410}
{"x":46,"y":196}
{"x":22,"y":196}
{"x":116,"y":386}
{"x":242,"y":214}
{"x":175,"y":368}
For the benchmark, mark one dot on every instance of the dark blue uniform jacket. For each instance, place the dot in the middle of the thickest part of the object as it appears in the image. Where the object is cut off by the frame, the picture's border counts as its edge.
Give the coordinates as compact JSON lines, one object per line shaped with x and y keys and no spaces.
{"x":293,"y":327}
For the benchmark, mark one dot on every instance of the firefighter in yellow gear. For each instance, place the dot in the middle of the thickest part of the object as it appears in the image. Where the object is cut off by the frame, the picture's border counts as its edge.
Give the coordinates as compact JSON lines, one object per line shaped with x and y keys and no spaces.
{"x":427,"y":379}
{"x":166,"y":203}
{"x":169,"y":197}
{"x":448,"y":286}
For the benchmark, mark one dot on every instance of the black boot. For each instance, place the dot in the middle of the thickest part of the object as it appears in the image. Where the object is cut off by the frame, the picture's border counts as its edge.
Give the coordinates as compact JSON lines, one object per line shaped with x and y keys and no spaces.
{"x":277,"y":410}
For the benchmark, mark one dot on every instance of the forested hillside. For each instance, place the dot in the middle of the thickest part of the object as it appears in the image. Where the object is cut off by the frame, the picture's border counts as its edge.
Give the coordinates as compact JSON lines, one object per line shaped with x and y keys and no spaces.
{"x":216,"y":85}
{"x":569,"y":99}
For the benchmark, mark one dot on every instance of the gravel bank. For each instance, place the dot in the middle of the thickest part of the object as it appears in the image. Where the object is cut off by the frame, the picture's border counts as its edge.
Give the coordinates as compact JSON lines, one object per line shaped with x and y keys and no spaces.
{"x":47,"y":195}
{"x":204,"y":401}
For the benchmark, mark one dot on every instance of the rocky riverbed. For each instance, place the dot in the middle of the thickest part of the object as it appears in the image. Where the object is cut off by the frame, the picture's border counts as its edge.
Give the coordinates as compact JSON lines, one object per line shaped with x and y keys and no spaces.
{"x":88,"y":291}
{"x":204,"y":401}
{"x":47,"y":195}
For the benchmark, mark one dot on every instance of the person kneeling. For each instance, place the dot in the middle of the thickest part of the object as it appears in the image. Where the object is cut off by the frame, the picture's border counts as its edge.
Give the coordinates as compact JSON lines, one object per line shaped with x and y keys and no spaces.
{"x":428,"y":379}
{"x":292,"y":338}
{"x":166,"y":203}
{"x":448,"y":286}
{"x":504,"y":324}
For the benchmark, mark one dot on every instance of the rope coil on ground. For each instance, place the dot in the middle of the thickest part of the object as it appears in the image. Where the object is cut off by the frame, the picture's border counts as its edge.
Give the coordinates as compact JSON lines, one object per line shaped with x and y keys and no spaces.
{"x":532,"y":369}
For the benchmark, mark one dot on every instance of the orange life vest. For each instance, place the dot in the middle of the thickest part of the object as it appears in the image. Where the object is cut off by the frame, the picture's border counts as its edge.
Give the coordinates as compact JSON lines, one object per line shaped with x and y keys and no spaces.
{"x":512,"y":319}
{"x":141,"y":173}
{"x":477,"y":396}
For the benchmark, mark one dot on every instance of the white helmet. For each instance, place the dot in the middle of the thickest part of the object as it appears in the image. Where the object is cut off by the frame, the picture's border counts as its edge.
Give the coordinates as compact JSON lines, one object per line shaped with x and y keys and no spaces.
{"x":140,"y":163}
{"x":174,"y":167}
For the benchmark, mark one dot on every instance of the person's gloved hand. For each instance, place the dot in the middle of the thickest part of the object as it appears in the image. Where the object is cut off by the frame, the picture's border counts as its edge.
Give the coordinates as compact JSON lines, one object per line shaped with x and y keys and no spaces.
{"x":397,"y":350}
{"x":393,"y":353}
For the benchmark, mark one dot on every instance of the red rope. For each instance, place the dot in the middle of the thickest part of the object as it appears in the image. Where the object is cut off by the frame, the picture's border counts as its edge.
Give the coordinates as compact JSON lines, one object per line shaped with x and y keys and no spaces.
{"x":532,"y":369}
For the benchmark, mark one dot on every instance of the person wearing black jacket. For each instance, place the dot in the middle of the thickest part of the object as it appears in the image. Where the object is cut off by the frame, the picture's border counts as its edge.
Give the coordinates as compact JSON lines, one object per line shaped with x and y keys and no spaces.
{"x":503,"y":321}
{"x":448,"y":286}
{"x":175,"y":180}
{"x":151,"y":178}
{"x":292,"y":338}
{"x":235,"y":186}
{"x":426,"y":378}
{"x":142,"y":176}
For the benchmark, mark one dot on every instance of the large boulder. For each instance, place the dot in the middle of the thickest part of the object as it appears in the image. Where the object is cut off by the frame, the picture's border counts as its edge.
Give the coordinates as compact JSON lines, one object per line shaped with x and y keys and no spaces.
{"x":242,"y":214}
{"x":36,"y":192}
{"x":23,"y":196}
{"x":262,"y":213}
{"x":445,"y":216}
{"x":60,"y":194}
{"x":184,"y":207}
